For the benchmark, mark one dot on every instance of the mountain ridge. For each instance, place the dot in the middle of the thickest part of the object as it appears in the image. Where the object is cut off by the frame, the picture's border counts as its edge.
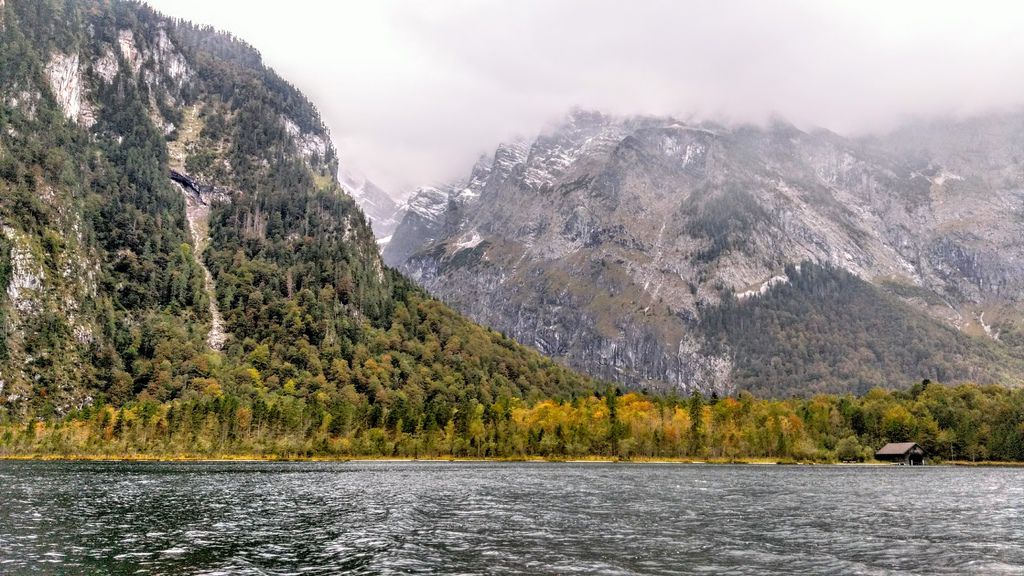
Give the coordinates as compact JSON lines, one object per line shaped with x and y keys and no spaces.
{"x":645,"y":221}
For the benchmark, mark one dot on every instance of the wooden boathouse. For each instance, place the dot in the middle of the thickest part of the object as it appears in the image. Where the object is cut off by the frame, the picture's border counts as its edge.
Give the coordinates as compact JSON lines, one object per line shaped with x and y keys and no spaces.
{"x":902,"y":453}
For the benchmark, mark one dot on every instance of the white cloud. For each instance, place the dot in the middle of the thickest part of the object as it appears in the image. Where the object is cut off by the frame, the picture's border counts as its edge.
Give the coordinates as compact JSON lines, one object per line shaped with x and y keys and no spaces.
{"x":414,"y":91}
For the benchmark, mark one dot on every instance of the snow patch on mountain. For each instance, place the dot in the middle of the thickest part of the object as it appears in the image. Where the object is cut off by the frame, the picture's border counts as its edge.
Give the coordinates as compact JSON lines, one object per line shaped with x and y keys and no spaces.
{"x":429,"y":202}
{"x":606,"y":228}
{"x":466,"y":194}
{"x":508,"y":156}
{"x":382,"y":210}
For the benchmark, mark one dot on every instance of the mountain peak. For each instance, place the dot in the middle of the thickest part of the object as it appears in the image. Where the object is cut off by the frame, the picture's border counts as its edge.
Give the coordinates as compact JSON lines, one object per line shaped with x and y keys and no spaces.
{"x":608,"y":241}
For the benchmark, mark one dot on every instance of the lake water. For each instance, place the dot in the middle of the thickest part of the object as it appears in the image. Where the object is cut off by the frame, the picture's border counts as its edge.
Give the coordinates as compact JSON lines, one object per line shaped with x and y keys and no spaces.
{"x":538,"y":518}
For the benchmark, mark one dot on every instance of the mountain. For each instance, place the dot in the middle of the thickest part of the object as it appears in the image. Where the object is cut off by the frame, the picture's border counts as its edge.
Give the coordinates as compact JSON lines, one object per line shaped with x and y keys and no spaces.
{"x":422,"y":221}
{"x":173,"y":229}
{"x":431,"y":214}
{"x":645,"y":249}
{"x":384,"y":213}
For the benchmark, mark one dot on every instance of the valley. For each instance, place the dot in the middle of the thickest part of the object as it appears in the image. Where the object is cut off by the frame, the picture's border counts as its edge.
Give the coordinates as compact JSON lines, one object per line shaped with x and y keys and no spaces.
{"x":511,"y":287}
{"x":187,"y":272}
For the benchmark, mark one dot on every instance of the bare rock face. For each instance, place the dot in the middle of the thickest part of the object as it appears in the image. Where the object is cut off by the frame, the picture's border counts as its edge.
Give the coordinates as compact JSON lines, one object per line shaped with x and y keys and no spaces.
{"x":382,"y":210}
{"x":26,"y":281}
{"x":67,"y":76}
{"x":170,"y":60}
{"x":66,"y":83}
{"x":602,"y":241}
{"x":423,"y":223}
{"x":309,"y":145}
{"x":131,"y":54}
{"x":107,"y":66}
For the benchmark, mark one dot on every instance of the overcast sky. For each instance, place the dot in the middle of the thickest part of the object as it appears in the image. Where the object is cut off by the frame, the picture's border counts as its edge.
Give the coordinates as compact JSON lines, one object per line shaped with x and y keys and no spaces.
{"x":415,"y":91}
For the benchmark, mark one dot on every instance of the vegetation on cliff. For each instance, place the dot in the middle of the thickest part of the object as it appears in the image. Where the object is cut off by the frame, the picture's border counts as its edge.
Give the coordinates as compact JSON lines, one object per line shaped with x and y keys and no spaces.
{"x":106,"y":305}
{"x":825,"y":330}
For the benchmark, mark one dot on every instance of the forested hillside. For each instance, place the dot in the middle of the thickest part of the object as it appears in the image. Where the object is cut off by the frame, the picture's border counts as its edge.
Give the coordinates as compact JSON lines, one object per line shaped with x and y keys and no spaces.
{"x":824,"y":330}
{"x":102,"y":257}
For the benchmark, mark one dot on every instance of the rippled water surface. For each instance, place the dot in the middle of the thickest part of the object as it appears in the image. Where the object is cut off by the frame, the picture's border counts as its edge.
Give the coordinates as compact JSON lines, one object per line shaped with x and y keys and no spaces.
{"x":469,"y":518}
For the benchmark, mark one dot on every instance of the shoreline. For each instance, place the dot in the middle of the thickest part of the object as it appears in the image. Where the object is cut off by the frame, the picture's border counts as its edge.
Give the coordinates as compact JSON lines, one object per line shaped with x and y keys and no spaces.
{"x":252,"y":458}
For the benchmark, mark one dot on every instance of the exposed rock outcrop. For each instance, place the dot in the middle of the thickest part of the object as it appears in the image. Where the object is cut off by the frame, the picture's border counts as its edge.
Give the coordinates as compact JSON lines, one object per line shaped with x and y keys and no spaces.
{"x":422,"y":224}
{"x":197,"y":211}
{"x":65,"y":78}
{"x":309,"y":145}
{"x":382,"y":210}
{"x":602,"y":241}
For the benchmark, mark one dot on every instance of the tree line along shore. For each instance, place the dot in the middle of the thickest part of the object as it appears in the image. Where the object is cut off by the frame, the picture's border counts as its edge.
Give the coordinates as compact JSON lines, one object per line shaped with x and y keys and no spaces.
{"x":964,"y":423}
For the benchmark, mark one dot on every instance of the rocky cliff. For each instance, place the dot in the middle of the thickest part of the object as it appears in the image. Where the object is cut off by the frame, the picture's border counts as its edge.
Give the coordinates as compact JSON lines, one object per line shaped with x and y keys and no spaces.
{"x":606,"y":240}
{"x":382,"y":210}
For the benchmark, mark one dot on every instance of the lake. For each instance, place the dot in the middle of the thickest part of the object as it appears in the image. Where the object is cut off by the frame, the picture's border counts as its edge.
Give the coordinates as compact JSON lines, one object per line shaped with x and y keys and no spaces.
{"x":507,"y":518}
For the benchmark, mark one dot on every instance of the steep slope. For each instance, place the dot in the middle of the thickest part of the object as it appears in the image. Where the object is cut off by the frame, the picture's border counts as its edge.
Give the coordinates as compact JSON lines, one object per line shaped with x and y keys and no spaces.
{"x":422,"y":223}
{"x":824,"y":330}
{"x":173,"y":228}
{"x":384,"y":213}
{"x":606,"y":241}
{"x":432,"y":214}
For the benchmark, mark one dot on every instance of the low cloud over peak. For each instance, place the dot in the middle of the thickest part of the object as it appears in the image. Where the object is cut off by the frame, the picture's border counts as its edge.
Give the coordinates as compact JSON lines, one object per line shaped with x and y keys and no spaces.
{"x":414,"y":92}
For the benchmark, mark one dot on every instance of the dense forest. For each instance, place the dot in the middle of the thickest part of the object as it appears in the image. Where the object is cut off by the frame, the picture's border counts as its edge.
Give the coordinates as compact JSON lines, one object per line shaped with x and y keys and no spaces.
{"x":104,"y":299}
{"x":964,"y":423}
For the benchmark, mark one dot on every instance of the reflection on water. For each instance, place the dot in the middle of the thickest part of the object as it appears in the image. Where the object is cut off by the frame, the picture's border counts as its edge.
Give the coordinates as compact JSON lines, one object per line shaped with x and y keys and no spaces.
{"x":374,"y":518}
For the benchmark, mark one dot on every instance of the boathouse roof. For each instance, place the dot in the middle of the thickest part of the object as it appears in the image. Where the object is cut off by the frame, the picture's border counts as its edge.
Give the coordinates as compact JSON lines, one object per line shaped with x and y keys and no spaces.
{"x":897,"y":448}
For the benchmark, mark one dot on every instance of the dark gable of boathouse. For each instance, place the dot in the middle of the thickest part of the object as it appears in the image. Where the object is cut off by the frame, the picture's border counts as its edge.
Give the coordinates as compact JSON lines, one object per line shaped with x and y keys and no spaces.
{"x":907,"y":453}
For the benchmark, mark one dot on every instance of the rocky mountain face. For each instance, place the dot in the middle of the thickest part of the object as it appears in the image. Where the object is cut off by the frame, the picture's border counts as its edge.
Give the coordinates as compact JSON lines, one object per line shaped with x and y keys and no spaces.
{"x":172,"y":228}
{"x":382,"y":210}
{"x":422,"y":221}
{"x":608,"y":242}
